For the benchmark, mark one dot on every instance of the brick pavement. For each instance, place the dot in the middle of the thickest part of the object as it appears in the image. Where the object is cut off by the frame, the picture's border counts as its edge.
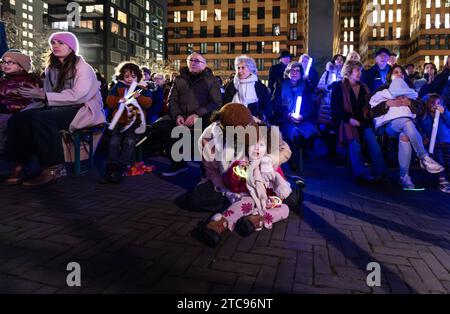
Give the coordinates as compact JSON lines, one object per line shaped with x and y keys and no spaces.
{"x":132,"y":238}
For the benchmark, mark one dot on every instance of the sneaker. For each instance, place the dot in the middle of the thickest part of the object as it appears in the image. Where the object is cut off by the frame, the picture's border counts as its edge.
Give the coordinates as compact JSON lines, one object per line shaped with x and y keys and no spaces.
{"x":444,"y":187}
{"x":430,"y":165}
{"x":407,"y":183}
{"x":175,"y":168}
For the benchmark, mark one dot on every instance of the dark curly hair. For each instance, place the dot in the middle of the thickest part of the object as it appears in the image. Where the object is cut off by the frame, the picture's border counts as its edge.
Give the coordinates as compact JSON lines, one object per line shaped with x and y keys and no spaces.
{"x":130,"y":67}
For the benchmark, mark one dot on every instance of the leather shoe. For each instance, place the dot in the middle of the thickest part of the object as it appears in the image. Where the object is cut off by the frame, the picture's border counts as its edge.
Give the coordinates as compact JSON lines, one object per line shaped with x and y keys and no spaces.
{"x":48,"y":176}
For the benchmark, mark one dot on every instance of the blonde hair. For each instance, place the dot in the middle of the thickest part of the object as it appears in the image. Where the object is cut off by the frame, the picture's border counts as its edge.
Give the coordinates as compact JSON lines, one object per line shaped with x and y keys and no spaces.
{"x":349,"y":66}
{"x":354,"y":53}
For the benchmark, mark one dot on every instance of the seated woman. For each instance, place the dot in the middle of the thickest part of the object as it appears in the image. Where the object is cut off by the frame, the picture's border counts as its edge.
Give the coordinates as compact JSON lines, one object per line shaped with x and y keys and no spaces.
{"x":16,"y":67}
{"x":394,"y":115}
{"x":246,"y":89}
{"x":325,"y":122}
{"x":350,"y":107}
{"x":71,"y":92}
{"x":296,"y":129}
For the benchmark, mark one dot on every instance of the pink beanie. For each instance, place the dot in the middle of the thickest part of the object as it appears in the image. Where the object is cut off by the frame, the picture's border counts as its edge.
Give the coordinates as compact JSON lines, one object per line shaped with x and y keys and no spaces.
{"x":66,"y":37}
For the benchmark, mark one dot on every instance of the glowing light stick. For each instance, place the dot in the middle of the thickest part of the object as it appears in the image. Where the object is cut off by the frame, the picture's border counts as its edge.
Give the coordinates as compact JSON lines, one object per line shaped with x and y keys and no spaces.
{"x":437,"y":114}
{"x":308,"y":67}
{"x":298,"y":108}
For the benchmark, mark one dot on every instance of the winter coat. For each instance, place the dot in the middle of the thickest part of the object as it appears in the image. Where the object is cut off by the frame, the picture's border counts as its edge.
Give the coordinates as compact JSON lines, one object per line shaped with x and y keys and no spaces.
{"x":118,"y":92}
{"x":417,"y":106}
{"x":443,"y":134}
{"x":261,"y":109}
{"x":10,"y":102}
{"x":276,"y":76}
{"x":438,"y":84}
{"x":285,"y":99}
{"x":329,"y":77}
{"x":372,"y":77}
{"x":194,"y":94}
{"x":83,"y":89}
{"x":215,"y":168}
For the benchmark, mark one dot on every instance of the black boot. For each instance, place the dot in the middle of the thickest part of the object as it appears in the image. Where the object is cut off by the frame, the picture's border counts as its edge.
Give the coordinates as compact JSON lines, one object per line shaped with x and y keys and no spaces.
{"x":205,"y":235}
{"x":108,"y":177}
{"x":117,"y":176}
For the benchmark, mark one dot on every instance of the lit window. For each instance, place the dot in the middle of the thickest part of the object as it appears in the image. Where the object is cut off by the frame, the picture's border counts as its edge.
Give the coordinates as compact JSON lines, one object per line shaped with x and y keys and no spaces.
{"x":114,"y":28}
{"x":345,"y":50}
{"x":190,"y":16}
{"x":293,"y":17}
{"x":428,"y":4}
{"x":351,"y":36}
{"x":428,"y":21}
{"x":122,"y":17}
{"x":345,"y":36}
{"x":217,"y":15}
{"x":438,"y":3}
{"x":399,"y":15}
{"x":374,"y":33}
{"x":447,"y":20}
{"x":375,"y":17}
{"x":437,"y":21}
{"x":352,"y":22}
{"x":391,"y":16}
{"x":437,"y":61}
{"x":111,"y":12}
{"x":346,"y":23}
{"x":177,"y":17}
{"x":24,"y":6}
{"x":25,"y":34}
{"x":399,"y":31}
{"x":24,"y":15}
{"x":399,"y":1}
{"x":276,"y":47}
{"x":427,"y":59}
{"x":351,"y":48}
{"x":382,"y":33}
{"x":383,"y":16}
{"x":204,"y":15}
{"x":391,"y":2}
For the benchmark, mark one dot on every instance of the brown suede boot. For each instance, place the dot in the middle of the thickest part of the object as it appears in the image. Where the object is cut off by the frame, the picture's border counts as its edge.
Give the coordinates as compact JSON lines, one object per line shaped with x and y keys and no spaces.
{"x":257,"y":221}
{"x":16,"y":176}
{"x":218,"y":226}
{"x":48,"y":176}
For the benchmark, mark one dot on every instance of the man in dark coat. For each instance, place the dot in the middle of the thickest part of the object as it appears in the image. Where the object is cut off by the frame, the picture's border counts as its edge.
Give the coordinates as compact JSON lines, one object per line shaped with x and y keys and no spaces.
{"x":276,"y":72}
{"x":195,"y":94}
{"x":376,"y":75}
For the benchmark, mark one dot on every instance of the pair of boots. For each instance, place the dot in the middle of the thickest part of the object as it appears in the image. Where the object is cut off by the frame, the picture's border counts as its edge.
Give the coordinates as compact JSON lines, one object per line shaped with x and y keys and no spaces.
{"x":114,"y":174}
{"x":210,"y":233}
{"x":48,"y":176}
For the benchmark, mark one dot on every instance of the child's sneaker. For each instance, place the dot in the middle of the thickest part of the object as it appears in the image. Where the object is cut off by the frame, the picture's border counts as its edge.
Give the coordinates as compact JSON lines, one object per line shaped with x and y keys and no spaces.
{"x":430,"y":165}
{"x":406,"y":182}
{"x":444,"y":186}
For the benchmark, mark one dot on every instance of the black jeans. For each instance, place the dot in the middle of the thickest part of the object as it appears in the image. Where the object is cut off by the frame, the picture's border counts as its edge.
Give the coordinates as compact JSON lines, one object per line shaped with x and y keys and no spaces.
{"x":37,"y":131}
{"x":122,"y":146}
{"x":162,"y":131}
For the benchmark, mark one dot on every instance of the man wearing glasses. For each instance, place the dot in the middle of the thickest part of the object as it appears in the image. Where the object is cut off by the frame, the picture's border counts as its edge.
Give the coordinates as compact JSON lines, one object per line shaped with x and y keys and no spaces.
{"x":195,"y":94}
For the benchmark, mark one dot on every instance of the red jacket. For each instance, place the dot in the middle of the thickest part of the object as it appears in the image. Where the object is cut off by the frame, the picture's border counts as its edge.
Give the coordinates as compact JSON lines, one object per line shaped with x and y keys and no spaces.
{"x":10,"y":102}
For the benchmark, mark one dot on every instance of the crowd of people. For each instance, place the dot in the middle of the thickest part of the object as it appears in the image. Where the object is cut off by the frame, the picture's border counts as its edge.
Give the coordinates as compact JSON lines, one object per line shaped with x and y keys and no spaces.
{"x":346,"y":106}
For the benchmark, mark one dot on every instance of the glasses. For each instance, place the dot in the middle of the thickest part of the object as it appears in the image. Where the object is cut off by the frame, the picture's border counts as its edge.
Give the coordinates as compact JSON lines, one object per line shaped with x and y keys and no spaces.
{"x":195,"y":61}
{"x":8,"y":62}
{"x":295,"y":70}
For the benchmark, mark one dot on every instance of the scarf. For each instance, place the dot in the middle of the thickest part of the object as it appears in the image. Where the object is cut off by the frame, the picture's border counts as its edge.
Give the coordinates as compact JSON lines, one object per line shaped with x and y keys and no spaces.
{"x":347,"y":131}
{"x":245,"y":90}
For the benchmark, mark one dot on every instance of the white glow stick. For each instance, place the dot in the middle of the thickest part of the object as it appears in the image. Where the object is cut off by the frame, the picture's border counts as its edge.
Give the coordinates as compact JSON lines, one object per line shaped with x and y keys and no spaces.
{"x":308,"y":67}
{"x":122,"y":106}
{"x":298,"y":107}
{"x":437,"y":114}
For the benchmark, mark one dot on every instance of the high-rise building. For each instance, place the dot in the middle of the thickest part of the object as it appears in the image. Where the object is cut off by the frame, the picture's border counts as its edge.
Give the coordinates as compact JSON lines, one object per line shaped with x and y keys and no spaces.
{"x":346,"y":26}
{"x":224,"y":29}
{"x":115,"y":30}
{"x":28,"y":15}
{"x":429,"y":32}
{"x":417,"y":31}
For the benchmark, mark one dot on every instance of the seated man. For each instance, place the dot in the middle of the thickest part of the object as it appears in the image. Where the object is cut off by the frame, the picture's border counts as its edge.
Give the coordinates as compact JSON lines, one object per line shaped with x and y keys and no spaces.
{"x":195,"y":93}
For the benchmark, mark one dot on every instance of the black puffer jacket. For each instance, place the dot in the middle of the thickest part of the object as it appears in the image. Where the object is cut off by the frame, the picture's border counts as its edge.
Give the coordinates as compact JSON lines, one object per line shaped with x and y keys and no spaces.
{"x":199,"y":94}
